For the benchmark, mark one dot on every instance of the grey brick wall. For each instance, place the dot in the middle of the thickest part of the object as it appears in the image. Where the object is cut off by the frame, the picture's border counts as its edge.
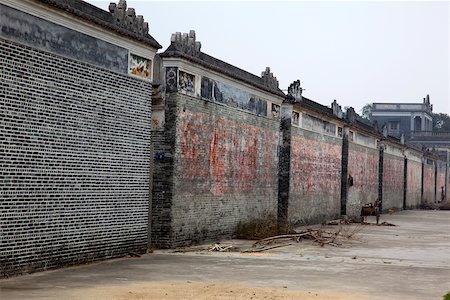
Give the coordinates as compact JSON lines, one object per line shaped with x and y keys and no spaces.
{"x":219,"y":168}
{"x":75,"y":161}
{"x":163,"y":145}
{"x":315,"y":184}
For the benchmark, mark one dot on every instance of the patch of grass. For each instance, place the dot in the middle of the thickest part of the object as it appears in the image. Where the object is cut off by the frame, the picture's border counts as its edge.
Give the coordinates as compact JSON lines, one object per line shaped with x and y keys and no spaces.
{"x":259,"y":228}
{"x":447,"y":296}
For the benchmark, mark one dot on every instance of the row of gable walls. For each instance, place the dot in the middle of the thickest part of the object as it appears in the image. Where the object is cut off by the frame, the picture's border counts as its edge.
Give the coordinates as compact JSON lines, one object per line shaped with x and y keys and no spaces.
{"x":393,"y":175}
{"x":315,"y":171}
{"x":225,"y":160}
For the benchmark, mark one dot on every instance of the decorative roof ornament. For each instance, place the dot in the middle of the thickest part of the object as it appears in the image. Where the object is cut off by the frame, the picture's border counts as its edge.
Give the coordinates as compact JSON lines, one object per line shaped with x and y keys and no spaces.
{"x":269,"y":80}
{"x":337,"y":109}
{"x":295,"y":91}
{"x":351,"y":115}
{"x":186,"y":43}
{"x":127,"y":19}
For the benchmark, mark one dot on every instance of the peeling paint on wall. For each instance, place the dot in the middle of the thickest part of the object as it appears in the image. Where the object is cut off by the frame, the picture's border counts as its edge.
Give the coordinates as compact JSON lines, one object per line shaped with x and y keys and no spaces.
{"x":221,"y":156}
{"x":363,"y":167}
{"x":232,"y":96}
{"x":393,"y":181}
{"x":315,"y":176}
{"x":413,"y":184}
{"x":428,"y":183}
{"x":440,"y":180}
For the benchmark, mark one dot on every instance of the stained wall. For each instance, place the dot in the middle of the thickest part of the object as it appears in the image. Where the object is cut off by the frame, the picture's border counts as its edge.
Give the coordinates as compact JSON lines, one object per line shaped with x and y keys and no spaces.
{"x":314,"y":193}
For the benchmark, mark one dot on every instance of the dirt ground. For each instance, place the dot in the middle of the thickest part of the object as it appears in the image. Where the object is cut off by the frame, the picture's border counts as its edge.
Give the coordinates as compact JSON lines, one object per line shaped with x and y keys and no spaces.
{"x":201,"y":291}
{"x":404,"y":262}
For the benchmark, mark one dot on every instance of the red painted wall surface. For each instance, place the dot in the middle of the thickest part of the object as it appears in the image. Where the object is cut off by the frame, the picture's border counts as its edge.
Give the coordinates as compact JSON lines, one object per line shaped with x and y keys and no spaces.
{"x":440,"y":180}
{"x":393,"y":169}
{"x":315,"y":176}
{"x":225,"y":169}
{"x":448,"y":185}
{"x":428,"y":183}
{"x":413,"y":184}
{"x":363,"y":167}
{"x":221,"y":156}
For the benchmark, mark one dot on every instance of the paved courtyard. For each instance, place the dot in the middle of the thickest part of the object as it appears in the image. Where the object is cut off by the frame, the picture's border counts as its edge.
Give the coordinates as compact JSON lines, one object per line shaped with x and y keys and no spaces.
{"x":407,"y":261}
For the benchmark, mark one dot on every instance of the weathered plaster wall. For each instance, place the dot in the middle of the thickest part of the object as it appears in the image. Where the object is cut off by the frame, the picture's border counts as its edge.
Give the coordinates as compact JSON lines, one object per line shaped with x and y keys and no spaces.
{"x":42,"y":34}
{"x":363,"y":167}
{"x":428,"y":183}
{"x":440,"y":180}
{"x":225,"y":169}
{"x":393,"y":181}
{"x":448,"y":184}
{"x":413,"y":183}
{"x":315,"y":177}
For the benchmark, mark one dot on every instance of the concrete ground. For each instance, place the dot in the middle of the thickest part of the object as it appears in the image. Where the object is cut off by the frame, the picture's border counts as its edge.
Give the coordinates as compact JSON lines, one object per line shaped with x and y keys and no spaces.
{"x":408,"y":261}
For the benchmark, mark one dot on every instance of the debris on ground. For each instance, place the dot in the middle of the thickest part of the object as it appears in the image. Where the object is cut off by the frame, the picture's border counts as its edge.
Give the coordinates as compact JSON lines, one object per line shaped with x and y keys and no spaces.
{"x":430,"y":206}
{"x":264,"y":248}
{"x":386,"y":224}
{"x":392,"y":210}
{"x":381,"y":224}
{"x":445,"y":205}
{"x":220,"y":248}
{"x":318,"y":236}
{"x":217,"y":247}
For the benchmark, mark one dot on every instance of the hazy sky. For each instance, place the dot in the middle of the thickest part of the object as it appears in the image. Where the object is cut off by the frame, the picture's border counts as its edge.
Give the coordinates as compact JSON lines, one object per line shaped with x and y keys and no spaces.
{"x":354,"y":52}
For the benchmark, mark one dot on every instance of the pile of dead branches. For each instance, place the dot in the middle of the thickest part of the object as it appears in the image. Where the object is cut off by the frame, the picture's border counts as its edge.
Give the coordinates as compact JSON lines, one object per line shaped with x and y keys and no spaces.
{"x":319,"y":236}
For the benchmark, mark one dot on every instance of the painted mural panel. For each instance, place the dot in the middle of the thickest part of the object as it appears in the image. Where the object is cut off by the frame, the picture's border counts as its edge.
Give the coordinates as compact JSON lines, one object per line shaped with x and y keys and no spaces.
{"x":318,"y":125}
{"x":363,"y":167}
{"x":315,"y":177}
{"x":393,"y":169}
{"x":38,"y":33}
{"x":413,"y":184}
{"x":428,"y":183}
{"x":140,"y":66}
{"x":232,"y":96}
{"x":222,"y":156}
{"x":186,"y":82}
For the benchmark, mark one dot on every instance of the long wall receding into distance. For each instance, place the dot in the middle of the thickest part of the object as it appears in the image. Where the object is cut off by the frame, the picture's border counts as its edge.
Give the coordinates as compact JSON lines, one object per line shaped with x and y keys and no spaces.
{"x":108,"y":148}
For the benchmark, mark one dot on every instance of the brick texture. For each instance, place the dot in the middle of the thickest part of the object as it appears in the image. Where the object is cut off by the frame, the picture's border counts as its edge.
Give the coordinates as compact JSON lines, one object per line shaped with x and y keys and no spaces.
{"x":440,"y":180}
{"x":393,"y":181}
{"x":75,"y":149}
{"x":224,"y":170}
{"x":428,"y":183}
{"x":413,"y":184}
{"x":363,"y":167}
{"x":315,"y":177}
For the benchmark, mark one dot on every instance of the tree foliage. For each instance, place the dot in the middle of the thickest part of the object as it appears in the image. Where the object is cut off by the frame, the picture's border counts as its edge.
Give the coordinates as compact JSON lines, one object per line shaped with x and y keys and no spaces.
{"x":366,"y":111}
{"x":441,"y":122}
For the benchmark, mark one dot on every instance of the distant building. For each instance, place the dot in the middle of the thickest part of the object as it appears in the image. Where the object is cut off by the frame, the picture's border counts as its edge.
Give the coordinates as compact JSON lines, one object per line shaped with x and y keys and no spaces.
{"x":405,"y":118}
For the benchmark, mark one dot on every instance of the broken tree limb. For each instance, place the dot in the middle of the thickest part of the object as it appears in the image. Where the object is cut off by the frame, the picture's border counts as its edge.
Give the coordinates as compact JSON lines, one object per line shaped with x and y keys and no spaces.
{"x":264,"y":248}
{"x":278,"y":237}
